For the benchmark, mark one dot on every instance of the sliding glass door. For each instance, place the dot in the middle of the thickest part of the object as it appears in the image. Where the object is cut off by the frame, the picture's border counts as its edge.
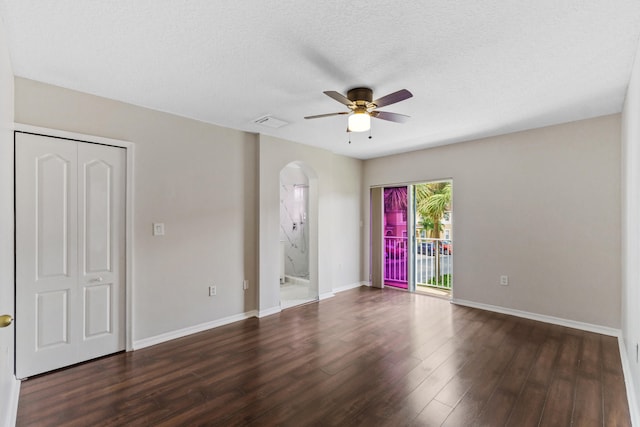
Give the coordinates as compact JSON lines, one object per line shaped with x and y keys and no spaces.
{"x":416,"y":242}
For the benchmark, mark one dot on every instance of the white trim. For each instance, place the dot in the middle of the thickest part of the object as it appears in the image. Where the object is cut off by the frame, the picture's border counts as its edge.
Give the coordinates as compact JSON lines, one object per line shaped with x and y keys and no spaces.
{"x":350,"y":286}
{"x":326,"y":295}
{"x":269,"y":312}
{"x":129,"y":212}
{"x":604,"y":330}
{"x":20,"y":127}
{"x":296,"y":303}
{"x":9,"y":419}
{"x":632,"y":399}
{"x":129,"y":247}
{"x":251,"y":313}
{"x":168,"y":336}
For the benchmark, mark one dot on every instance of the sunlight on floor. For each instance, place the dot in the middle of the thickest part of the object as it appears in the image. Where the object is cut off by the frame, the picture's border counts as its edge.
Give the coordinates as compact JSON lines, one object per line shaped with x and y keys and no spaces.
{"x":442,"y":293}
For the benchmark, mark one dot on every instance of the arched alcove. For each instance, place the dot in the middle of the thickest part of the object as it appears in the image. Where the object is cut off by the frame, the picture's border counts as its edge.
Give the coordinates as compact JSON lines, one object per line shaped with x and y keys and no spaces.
{"x":298,"y":260}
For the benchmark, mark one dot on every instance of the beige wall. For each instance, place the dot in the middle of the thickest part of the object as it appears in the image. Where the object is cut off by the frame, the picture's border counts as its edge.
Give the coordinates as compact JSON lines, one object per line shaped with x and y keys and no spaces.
{"x":631,"y":232}
{"x":198,"y":179}
{"x":217,"y":191}
{"x":541,"y":206}
{"x":8,"y":397}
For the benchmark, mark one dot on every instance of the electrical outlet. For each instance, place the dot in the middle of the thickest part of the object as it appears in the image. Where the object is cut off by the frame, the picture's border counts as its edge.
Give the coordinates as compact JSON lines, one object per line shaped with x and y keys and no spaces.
{"x":212,"y":291}
{"x":504,"y":280}
{"x":245,"y":284}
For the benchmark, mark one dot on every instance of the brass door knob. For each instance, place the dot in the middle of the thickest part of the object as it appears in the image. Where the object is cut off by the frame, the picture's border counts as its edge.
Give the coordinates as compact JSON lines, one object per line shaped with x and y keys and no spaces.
{"x":5,"y":320}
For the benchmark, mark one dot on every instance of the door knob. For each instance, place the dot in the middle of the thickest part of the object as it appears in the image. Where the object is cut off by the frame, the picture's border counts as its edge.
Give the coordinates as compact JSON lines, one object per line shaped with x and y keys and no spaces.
{"x":5,"y":320}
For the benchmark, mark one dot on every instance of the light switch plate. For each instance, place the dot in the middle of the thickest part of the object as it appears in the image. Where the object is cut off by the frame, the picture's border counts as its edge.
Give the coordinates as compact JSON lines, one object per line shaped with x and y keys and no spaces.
{"x":158,"y":229}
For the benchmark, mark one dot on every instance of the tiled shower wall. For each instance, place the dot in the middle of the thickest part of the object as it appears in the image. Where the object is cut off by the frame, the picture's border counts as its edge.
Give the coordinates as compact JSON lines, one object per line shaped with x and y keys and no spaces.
{"x":294,"y":205}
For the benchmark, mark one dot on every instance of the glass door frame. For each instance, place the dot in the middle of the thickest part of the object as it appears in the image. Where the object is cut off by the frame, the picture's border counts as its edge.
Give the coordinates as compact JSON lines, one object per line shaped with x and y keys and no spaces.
{"x":411,"y":238}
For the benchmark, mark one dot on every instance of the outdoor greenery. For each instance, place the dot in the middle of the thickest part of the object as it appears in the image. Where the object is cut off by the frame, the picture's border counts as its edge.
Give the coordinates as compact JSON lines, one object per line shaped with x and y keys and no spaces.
{"x":427,"y":226}
{"x":395,"y":199}
{"x":432,"y":201}
{"x":445,"y":281}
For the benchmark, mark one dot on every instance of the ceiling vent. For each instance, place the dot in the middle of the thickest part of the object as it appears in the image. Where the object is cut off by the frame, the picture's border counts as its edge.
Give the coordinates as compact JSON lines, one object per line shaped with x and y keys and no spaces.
{"x":270,"y":122}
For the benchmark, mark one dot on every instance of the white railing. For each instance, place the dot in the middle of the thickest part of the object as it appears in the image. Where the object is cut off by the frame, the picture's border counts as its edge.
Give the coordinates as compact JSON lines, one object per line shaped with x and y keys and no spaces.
{"x":395,"y":264}
{"x":434,"y":262}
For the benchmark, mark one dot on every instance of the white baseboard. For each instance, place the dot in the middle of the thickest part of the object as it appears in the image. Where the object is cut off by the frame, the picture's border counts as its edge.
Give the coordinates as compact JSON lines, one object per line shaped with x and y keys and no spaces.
{"x":632,"y":398}
{"x":147,"y":342}
{"x":604,"y":330}
{"x":252,"y":313}
{"x":9,"y":419}
{"x":269,"y":312}
{"x":350,"y":286}
{"x":343,"y":289}
{"x":369,"y":284}
{"x":326,"y":295}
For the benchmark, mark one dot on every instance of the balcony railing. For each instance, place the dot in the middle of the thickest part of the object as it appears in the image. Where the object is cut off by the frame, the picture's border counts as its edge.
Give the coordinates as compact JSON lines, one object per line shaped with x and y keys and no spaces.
{"x":395,"y":265}
{"x":433,"y":259}
{"x":434,"y":262}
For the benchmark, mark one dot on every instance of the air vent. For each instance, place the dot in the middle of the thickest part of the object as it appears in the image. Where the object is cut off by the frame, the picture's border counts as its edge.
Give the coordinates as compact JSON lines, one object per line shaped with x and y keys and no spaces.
{"x":270,"y":122}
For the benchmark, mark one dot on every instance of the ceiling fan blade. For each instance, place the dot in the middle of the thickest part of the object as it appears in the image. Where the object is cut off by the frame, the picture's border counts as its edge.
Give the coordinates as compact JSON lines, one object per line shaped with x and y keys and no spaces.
{"x":392,"y":98}
{"x":338,"y":97}
{"x":392,"y":117}
{"x":326,"y":115}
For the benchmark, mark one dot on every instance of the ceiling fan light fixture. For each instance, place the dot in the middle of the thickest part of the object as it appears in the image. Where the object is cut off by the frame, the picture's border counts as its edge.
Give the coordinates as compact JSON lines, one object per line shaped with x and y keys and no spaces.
{"x":359,"y":121}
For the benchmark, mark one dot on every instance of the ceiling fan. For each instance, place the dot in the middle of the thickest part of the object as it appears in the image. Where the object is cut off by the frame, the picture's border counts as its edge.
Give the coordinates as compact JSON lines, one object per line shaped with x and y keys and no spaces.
{"x":360,"y":102}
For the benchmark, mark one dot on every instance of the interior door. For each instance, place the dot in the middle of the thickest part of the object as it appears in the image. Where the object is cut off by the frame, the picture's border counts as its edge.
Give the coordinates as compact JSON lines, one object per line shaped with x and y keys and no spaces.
{"x":70,"y":210}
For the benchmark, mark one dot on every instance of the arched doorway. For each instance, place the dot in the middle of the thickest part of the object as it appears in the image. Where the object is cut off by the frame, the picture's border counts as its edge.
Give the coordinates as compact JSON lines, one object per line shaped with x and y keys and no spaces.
{"x":298,"y":235}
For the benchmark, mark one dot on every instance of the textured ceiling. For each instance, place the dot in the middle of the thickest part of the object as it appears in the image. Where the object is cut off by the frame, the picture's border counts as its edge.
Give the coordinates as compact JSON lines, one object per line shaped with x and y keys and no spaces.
{"x":475,"y":68}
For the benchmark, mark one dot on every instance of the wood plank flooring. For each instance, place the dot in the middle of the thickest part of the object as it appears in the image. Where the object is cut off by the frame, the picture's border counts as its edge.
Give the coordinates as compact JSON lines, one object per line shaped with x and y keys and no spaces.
{"x":367,"y":357}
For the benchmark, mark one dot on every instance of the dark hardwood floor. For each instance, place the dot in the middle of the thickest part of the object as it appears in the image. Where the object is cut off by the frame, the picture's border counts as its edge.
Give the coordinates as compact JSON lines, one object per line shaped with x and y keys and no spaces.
{"x":367,"y":357}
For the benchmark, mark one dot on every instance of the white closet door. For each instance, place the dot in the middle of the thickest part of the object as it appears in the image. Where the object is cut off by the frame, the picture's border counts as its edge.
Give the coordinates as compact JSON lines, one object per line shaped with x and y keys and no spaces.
{"x":69,"y":252}
{"x":101,"y":248}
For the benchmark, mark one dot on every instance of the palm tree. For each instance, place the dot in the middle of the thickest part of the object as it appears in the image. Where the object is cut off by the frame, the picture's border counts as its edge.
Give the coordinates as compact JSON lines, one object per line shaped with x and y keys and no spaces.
{"x":427,"y":226}
{"x":432,"y":201}
{"x":395,"y":199}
